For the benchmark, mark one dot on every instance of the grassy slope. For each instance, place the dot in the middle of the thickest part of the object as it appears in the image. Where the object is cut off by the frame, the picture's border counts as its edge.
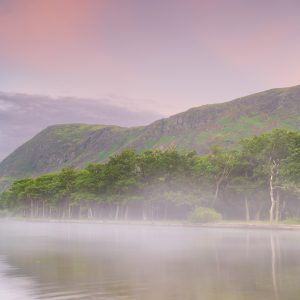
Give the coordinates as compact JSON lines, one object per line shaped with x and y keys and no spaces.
{"x":47,"y":149}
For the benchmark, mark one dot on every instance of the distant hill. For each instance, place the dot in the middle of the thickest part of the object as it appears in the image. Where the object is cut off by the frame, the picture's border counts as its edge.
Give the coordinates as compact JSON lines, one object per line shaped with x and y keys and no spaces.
{"x":22,"y":116}
{"x":198,"y":128}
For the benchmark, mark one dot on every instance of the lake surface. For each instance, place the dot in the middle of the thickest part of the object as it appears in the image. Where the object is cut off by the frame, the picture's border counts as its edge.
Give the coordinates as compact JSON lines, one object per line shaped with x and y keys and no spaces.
{"x":97,"y":261}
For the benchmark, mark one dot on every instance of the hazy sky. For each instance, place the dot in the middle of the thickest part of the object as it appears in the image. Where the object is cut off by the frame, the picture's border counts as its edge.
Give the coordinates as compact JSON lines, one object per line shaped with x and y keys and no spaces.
{"x":159,"y":55}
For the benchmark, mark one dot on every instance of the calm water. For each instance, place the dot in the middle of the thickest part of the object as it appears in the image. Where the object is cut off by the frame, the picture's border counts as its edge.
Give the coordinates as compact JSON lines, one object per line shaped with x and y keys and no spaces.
{"x":95,"y":261}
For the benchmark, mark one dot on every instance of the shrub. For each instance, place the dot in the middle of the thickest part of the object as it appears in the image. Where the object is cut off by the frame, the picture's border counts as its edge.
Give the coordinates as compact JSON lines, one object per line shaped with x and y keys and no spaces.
{"x":204,"y":215}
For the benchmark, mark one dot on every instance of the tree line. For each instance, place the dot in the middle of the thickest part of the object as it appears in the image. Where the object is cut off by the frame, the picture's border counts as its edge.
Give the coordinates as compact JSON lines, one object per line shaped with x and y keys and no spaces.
{"x":257,"y":181}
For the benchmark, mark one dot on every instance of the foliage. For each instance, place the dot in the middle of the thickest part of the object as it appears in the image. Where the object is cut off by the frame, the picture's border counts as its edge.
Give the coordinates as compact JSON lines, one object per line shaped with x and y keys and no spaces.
{"x":260,"y":180}
{"x":204,"y":215}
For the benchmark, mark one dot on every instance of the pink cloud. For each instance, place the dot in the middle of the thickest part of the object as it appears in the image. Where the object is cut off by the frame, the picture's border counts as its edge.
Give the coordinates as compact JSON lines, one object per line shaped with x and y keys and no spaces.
{"x":39,"y":32}
{"x":61,"y":38}
{"x":255,"y":38}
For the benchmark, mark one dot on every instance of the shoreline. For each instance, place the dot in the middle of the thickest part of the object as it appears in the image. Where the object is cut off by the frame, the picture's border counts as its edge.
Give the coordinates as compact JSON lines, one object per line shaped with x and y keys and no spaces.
{"x":220,"y":225}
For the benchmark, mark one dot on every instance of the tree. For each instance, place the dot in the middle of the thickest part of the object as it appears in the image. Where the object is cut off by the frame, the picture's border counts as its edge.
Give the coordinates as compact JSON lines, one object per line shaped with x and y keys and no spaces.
{"x":267,"y":154}
{"x":260,"y":178}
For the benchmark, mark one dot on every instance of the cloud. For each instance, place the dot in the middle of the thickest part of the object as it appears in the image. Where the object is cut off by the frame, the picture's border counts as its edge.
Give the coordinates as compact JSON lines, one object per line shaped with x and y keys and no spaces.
{"x":6,"y":106}
{"x":179,"y":53}
{"x":30,"y":29}
{"x":22,"y":116}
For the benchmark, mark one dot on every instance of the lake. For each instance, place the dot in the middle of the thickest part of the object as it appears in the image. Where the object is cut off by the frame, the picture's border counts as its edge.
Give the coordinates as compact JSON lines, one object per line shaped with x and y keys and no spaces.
{"x":102,"y":261}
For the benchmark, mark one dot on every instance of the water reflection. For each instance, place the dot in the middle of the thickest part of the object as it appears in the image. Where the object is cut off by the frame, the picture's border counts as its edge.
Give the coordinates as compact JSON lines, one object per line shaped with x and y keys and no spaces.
{"x":275,"y":255}
{"x":84,"y":261}
{"x":13,"y":287}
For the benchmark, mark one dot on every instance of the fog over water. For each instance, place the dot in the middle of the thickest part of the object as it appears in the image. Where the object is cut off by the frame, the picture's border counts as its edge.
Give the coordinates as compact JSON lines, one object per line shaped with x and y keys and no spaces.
{"x":104,"y":261}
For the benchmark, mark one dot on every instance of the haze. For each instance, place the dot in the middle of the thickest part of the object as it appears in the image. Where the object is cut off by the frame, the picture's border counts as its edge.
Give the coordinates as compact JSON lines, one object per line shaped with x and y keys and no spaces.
{"x":103,"y":261}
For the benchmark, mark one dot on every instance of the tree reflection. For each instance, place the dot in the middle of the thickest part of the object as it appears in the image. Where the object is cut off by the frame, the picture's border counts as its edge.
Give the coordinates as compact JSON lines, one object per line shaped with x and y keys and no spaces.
{"x":275,"y":257}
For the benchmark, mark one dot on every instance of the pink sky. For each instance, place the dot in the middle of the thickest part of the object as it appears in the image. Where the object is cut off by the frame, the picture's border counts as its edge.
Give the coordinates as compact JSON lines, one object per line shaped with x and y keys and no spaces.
{"x":164,"y":56}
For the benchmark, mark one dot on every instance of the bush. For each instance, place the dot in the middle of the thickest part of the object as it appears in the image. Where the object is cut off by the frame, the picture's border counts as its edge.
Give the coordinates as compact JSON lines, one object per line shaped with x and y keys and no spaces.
{"x":204,"y":215}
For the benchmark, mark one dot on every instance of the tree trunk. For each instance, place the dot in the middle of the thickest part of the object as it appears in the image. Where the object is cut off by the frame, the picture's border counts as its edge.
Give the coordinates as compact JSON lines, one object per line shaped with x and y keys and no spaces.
{"x":218,"y":184}
{"x":37,"y":209}
{"x":31,"y":208}
{"x":90,"y":213}
{"x":272,"y":208}
{"x":117,"y":212}
{"x":217,"y":189}
{"x":247,"y":209}
{"x":277,"y":210}
{"x":144,"y":213}
{"x":79,"y":211}
{"x":126,"y":212}
{"x":257,"y":215}
{"x":166,"y":211}
{"x":282,"y":210}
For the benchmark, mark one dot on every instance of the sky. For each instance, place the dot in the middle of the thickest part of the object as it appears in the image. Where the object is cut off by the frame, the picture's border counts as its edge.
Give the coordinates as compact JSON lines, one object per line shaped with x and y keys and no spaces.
{"x":170,"y":55}
{"x":155,"y":56}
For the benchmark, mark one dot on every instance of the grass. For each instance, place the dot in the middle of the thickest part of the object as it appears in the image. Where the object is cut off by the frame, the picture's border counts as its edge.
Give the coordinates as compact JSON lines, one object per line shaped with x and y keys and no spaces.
{"x":73,"y":132}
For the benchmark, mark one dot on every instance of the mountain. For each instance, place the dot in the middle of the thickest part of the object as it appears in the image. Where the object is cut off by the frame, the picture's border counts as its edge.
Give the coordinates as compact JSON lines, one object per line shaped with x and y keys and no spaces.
{"x":198,"y":128}
{"x":22,"y":116}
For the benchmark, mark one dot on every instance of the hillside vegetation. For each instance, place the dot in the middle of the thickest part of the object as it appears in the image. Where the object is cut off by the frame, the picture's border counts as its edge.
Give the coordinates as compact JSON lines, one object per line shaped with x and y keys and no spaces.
{"x":196,"y":129}
{"x":259,"y":181}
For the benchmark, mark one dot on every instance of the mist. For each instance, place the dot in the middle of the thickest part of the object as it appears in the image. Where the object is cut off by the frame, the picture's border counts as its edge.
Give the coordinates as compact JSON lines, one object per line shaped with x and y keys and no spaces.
{"x":81,"y":260}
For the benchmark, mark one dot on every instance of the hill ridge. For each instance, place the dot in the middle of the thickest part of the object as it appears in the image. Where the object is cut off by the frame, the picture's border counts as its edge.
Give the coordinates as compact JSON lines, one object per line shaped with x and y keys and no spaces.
{"x":196,"y":128}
